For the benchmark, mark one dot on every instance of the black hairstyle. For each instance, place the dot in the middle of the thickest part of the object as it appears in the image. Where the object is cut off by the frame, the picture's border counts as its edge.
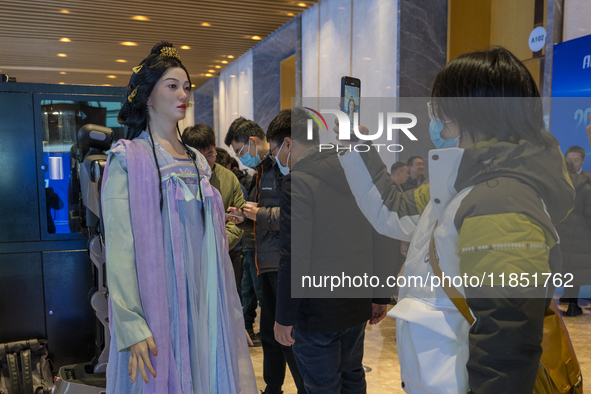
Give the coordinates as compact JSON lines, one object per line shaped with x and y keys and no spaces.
{"x":411,"y":161}
{"x":233,"y":162}
{"x":223,"y":157}
{"x":134,"y":112}
{"x":396,"y":166}
{"x":241,"y":129}
{"x":576,"y":149}
{"x":292,"y":123}
{"x":200,"y":136}
{"x":491,"y":94}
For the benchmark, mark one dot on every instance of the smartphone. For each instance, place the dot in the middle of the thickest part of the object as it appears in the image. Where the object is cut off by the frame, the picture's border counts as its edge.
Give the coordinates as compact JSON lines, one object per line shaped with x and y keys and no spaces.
{"x":350,"y":94}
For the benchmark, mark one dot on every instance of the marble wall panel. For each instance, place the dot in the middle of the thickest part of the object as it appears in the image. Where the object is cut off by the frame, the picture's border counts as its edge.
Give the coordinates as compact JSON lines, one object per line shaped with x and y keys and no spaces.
{"x":310,"y":51}
{"x":245,"y":75}
{"x":576,"y":19}
{"x":266,"y":61}
{"x":229,"y":111}
{"x":203,"y":103}
{"x":335,"y":46}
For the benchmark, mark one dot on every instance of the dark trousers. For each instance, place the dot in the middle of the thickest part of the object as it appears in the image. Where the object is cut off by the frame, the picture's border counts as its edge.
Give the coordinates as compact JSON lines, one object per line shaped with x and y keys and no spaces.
{"x":236,"y":258}
{"x":572,"y":293}
{"x":331,"y":362}
{"x":251,"y":289}
{"x":275,"y":355}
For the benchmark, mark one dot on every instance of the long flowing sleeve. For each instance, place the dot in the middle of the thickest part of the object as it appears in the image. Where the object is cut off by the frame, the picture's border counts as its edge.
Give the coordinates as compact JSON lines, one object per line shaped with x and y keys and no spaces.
{"x":128,"y":315}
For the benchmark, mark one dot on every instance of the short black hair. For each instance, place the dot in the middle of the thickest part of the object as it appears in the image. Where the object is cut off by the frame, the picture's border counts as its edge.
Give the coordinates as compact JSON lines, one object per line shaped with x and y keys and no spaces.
{"x":576,"y":149}
{"x":242,"y":129}
{"x":223,"y":157}
{"x":513,"y":110}
{"x":411,"y":161}
{"x":396,"y":166}
{"x":200,"y":136}
{"x":292,"y":123}
{"x":233,"y":162}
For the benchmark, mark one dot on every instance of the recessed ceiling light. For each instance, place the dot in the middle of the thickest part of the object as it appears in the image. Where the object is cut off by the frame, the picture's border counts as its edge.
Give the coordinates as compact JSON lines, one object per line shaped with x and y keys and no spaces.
{"x":63,"y":72}
{"x":140,"y":18}
{"x":65,"y":39}
{"x":121,"y":61}
{"x":302,"y":4}
{"x":185,"y":47}
{"x":255,"y":37}
{"x":218,"y":66}
{"x":211,"y":71}
{"x":62,"y":83}
{"x":230,"y":57}
{"x":192,"y":85}
{"x":64,"y":11}
{"x":205,"y":24}
{"x":290,"y":14}
{"x":224,"y":62}
{"x":62,"y":55}
{"x":208,"y":75}
{"x":106,"y":84}
{"x":129,"y":44}
{"x":111,"y":76}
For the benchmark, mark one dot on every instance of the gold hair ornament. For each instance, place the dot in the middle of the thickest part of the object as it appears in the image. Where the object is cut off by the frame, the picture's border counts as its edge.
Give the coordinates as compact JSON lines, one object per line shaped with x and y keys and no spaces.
{"x":137,"y":69}
{"x":190,"y":104}
{"x":170,"y":52}
{"x":133,"y":93}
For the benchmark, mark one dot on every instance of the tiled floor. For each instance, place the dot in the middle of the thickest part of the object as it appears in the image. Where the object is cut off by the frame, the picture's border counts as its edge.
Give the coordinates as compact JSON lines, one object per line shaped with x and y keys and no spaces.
{"x":382,"y":357}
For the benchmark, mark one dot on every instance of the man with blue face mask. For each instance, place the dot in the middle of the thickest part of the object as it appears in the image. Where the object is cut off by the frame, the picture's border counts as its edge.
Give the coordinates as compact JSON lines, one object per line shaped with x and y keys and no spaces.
{"x":261,"y":215}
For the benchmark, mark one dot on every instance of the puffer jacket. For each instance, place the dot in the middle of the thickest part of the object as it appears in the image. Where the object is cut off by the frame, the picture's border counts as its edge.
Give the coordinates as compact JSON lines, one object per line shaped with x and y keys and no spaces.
{"x":267,"y":192}
{"x":495,"y":205}
{"x":575,"y":233}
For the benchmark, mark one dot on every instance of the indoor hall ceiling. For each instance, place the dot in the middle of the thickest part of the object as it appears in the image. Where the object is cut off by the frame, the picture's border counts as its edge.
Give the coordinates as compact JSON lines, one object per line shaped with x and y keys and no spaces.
{"x":216,"y":31}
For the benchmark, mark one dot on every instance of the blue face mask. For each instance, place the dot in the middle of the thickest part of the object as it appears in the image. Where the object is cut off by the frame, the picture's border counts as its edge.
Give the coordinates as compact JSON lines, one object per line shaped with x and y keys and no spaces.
{"x":435,"y":128}
{"x":247,"y":159}
{"x":284,"y":170}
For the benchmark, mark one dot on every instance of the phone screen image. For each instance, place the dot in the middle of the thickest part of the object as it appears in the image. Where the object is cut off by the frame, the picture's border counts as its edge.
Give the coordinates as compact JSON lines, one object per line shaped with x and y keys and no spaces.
{"x":350,"y":93}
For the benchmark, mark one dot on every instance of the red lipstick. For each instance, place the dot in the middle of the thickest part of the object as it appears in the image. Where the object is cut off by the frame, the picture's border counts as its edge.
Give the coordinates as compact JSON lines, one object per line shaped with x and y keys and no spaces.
{"x":183,"y":106}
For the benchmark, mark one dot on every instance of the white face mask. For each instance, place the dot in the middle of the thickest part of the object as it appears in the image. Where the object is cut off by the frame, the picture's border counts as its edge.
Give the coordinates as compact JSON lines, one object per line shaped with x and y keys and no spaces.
{"x":284,"y":170}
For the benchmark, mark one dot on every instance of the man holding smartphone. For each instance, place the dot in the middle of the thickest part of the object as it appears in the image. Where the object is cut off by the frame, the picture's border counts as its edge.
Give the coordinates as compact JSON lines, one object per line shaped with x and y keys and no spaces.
{"x":249,"y":142}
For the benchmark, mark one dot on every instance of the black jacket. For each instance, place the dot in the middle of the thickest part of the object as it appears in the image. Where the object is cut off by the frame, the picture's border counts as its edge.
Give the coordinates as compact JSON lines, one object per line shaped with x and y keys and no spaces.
{"x":266,"y":191}
{"x":575,"y":233}
{"x":329,"y":235}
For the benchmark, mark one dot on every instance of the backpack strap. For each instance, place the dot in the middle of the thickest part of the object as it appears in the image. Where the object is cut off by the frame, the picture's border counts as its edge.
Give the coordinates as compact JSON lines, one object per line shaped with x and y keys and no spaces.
{"x":13,"y":372}
{"x":27,"y":372}
{"x":454,"y":295}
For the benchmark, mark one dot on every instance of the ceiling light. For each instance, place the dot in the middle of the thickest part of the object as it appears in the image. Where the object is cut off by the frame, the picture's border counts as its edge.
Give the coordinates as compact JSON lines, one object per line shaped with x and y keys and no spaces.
{"x":290,"y":14}
{"x":65,"y":39}
{"x":205,"y":24}
{"x":185,"y":47}
{"x":111,"y":76}
{"x":218,"y":66}
{"x":62,"y":55}
{"x":129,"y":44}
{"x":255,"y":37}
{"x":106,"y":84}
{"x":211,"y":71}
{"x":192,"y":85}
{"x":64,"y":11}
{"x":208,"y":75}
{"x":232,"y":76}
{"x":140,"y":18}
{"x":63,"y":72}
{"x":121,"y":61}
{"x":62,"y":83}
{"x":230,"y":57}
{"x":224,"y":62}
{"x":302,"y":4}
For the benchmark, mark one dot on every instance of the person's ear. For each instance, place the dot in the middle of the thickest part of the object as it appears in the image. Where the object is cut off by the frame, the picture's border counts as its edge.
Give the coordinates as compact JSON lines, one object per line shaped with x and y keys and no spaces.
{"x":287,"y":141}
